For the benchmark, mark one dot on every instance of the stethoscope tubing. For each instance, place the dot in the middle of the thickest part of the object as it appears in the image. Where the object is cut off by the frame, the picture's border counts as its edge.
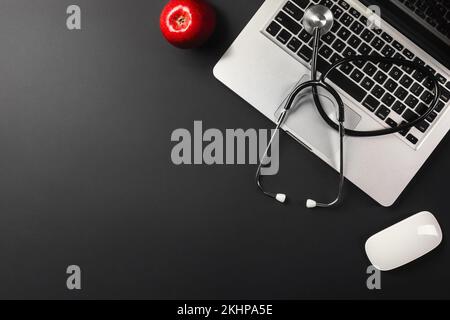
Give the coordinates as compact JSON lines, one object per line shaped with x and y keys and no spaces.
{"x":282,"y":117}
{"x":379,"y":59}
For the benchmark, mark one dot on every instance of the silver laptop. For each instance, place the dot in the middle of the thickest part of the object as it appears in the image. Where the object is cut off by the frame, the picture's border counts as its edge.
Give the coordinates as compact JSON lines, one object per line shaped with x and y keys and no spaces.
{"x":272,"y":54}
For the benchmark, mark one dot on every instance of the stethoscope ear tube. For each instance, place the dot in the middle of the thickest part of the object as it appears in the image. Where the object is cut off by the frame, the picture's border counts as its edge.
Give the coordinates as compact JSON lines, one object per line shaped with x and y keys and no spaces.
{"x":281,"y":197}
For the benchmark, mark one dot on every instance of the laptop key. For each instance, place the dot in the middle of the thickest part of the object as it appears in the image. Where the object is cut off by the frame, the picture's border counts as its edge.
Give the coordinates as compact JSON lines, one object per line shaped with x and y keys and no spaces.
{"x":387,"y":51}
{"x":428,"y":83}
{"x":357,"y":27}
{"x":431,"y":70}
{"x":445,"y":95}
{"x":412,"y":139}
{"x":284,"y":36}
{"x":337,"y":11}
{"x":406,"y":81}
{"x":335,"y":58}
{"x":348,"y":85}
{"x":398,"y":55}
{"x":390,"y":85}
{"x":328,"y":38}
{"x":338,"y":45}
{"x":357,"y":75}
{"x":418,"y":75}
{"x":409,"y":115}
{"x":432,"y":116}
{"x":388,"y":99}
{"x":416,"y":89}
{"x":294,"y":44}
{"x":359,"y":63}
{"x":408,"y":54}
{"x":326,"y":3}
{"x":408,"y":69}
{"x":273,"y":29}
{"x":370,"y":69}
{"x":346,"y":19}
{"x":395,"y":73}
{"x":377,"y":43}
{"x":411,"y":101}
{"x":364,"y":49}
{"x":354,"y":41}
{"x":367,"y":83}
{"x":386,"y":37}
{"x":305,"y":36}
{"x":391,"y":123}
{"x":404,"y":132}
{"x":364,"y":20}
{"x":344,"y":4}
{"x":382,"y":112}
{"x":347,"y":68}
{"x":440,"y":105}
{"x":354,"y":13}
{"x":422,"y":126}
{"x":305,"y":52}
{"x":385,"y":66}
{"x":421,"y":108}
{"x":293,"y":11}
{"x":336,"y":26}
{"x":378,"y":91}
{"x":441,"y":78}
{"x":288,"y":23}
{"x":380,"y":77}
{"x":371,"y":103}
{"x":367,"y":35}
{"x":419,"y":61}
{"x":397,"y":45}
{"x":377,"y":31}
{"x":325,"y":51}
{"x":398,"y":107}
{"x":341,"y":80}
{"x":348,"y":52}
{"x":344,"y":33}
{"x":301,"y":3}
{"x":401,"y":93}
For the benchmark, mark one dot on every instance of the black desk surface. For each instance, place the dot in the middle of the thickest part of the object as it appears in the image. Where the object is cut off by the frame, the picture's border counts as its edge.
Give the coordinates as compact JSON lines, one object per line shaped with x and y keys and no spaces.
{"x":86,"y":176}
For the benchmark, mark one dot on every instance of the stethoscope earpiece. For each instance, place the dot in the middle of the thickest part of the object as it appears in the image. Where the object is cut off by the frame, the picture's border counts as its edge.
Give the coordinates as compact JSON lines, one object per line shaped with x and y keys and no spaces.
{"x":281,"y":197}
{"x":310,"y":204}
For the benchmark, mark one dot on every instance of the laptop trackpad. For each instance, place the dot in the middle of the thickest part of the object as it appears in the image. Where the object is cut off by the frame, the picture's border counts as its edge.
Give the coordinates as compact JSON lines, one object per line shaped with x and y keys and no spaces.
{"x":305,"y":122}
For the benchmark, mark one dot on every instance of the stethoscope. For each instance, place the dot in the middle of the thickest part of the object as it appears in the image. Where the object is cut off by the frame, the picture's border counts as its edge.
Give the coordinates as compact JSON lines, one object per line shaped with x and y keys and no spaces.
{"x":317,"y":21}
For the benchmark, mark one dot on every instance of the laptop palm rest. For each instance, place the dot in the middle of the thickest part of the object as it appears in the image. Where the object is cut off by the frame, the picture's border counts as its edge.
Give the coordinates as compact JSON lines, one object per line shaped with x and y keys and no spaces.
{"x":306,"y":124}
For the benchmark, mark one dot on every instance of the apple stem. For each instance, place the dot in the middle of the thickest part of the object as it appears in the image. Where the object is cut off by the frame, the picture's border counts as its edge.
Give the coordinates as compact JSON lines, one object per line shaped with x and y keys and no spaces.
{"x":181,"y":21}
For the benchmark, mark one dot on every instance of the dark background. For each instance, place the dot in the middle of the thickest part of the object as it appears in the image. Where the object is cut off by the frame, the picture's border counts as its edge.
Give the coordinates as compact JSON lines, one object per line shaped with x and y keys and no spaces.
{"x":86,"y":176}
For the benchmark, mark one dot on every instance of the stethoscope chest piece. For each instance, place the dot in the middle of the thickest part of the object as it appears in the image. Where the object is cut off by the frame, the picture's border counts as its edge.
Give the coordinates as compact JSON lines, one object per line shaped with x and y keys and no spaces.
{"x":318,"y":17}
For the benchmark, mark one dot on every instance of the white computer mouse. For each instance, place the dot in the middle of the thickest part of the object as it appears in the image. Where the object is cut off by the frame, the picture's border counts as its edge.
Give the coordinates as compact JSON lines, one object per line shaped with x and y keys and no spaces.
{"x":404,"y":242}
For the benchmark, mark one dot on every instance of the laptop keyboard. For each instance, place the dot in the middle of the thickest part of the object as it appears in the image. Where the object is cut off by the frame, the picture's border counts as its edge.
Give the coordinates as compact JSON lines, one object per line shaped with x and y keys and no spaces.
{"x":435,"y":13}
{"x":392,"y":94}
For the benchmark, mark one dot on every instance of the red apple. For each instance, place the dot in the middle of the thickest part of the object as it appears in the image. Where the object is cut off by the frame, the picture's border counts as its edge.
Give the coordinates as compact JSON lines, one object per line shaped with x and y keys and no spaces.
{"x":187,"y":23}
